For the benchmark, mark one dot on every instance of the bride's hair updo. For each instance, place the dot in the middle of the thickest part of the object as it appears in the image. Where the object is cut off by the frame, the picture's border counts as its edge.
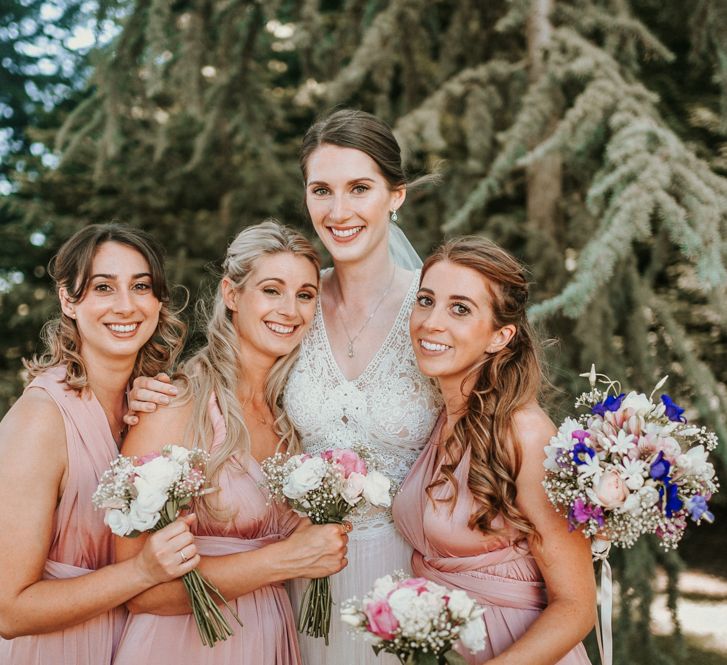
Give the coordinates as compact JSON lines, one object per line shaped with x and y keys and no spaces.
{"x":71,"y":269}
{"x":215,"y":368}
{"x":351,"y":128}
{"x":506,"y":381}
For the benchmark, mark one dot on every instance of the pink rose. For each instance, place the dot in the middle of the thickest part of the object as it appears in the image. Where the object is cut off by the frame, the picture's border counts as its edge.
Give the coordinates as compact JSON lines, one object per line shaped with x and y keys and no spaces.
{"x":381,"y":619}
{"x":419,"y":584}
{"x":611,"y":490}
{"x":140,"y":461}
{"x":349,"y":461}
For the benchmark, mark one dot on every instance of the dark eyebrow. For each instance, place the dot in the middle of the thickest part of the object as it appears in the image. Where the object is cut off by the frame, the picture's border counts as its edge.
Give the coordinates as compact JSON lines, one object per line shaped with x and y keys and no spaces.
{"x":107,"y":276}
{"x":452,"y":297}
{"x":282,"y":281}
{"x":350,"y":182}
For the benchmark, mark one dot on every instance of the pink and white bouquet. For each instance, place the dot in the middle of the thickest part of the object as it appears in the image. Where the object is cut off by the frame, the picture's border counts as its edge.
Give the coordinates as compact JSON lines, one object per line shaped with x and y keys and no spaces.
{"x":417,"y":620}
{"x":147,"y":493}
{"x":325,"y":487}
{"x":631,"y":465}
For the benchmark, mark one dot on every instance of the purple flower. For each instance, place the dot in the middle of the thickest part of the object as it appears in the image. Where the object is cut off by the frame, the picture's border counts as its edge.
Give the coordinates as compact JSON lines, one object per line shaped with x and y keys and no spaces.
{"x":660,"y":467}
{"x":611,"y":403}
{"x":580,"y":435}
{"x":673,"y":503}
{"x":698,"y":509}
{"x":581,"y":512}
{"x":673,"y":411}
{"x":581,"y":449}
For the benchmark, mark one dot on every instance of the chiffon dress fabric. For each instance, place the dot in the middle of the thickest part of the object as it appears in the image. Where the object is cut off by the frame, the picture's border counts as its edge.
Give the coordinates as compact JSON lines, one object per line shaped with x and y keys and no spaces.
{"x":81,"y":543}
{"x":497,"y":571}
{"x":268,"y":635}
{"x":388,"y":412}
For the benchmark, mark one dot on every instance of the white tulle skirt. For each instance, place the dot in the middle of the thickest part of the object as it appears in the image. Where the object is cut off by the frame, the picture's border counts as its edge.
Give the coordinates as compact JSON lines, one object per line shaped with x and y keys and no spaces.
{"x":372,"y":553}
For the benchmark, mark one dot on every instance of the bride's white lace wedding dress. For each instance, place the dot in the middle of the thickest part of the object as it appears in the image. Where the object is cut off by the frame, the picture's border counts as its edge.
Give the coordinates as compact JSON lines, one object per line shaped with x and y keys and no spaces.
{"x":389,"y":410}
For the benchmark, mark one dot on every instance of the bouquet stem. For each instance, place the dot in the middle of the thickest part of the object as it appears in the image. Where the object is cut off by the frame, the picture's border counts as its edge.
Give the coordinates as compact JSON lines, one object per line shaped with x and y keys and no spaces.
{"x":315,"y":610}
{"x":212,"y":625}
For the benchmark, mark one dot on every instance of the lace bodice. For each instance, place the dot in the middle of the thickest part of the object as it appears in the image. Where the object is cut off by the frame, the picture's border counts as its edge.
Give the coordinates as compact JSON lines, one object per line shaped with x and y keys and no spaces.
{"x":388,"y":410}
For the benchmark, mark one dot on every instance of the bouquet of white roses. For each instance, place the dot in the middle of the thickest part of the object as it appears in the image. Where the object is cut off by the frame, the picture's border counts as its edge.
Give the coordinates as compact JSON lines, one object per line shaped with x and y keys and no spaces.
{"x":629,"y":466}
{"x":326,"y":488}
{"x":417,"y":620}
{"x":146,"y":494}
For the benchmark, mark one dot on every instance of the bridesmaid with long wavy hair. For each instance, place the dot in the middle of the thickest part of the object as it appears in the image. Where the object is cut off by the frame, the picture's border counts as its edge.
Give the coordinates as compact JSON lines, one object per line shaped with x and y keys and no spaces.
{"x":60,"y":591}
{"x":230,"y":404}
{"x":473,"y":506}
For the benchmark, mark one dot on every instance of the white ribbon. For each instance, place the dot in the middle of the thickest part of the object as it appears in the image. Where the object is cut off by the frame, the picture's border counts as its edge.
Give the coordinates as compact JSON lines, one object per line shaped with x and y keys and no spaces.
{"x":600,"y":549}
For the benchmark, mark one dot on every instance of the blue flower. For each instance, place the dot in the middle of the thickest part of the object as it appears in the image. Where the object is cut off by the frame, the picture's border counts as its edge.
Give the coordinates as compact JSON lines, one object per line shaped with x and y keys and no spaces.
{"x":660,"y":467}
{"x":699,"y":510}
{"x":581,"y":449}
{"x":611,"y":403}
{"x":673,"y":411}
{"x":673,"y":502}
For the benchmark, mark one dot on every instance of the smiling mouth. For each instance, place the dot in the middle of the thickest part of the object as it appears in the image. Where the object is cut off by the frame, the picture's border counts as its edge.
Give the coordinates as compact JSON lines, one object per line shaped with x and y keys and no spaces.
{"x":122,"y":328}
{"x":433,"y":346}
{"x":281,"y":329}
{"x":345,"y":234}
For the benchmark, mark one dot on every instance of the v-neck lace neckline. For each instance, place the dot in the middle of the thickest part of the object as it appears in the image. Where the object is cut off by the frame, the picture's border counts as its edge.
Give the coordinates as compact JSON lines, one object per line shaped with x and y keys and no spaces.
{"x":403,"y":310}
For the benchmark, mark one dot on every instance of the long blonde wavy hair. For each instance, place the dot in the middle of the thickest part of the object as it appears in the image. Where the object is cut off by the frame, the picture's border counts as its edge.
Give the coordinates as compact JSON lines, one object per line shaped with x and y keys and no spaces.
{"x":505,"y":381}
{"x":215,"y":368}
{"x":71,"y":269}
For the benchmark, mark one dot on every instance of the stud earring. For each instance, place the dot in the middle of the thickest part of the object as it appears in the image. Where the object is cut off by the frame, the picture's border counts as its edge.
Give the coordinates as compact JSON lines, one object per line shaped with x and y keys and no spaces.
{"x":393,"y":216}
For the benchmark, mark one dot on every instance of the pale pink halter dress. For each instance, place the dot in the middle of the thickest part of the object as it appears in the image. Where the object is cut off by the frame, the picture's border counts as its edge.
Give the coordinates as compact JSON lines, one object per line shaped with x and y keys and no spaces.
{"x":269,"y":635}
{"x":499,"y":575}
{"x":81,"y":542}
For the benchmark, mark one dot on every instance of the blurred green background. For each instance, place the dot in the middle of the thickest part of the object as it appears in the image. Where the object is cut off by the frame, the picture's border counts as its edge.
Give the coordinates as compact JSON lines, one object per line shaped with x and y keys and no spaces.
{"x":587,"y":136}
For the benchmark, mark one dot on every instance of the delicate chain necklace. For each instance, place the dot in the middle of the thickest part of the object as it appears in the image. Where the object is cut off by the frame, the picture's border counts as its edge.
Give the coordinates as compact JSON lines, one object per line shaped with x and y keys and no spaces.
{"x":351,"y":340}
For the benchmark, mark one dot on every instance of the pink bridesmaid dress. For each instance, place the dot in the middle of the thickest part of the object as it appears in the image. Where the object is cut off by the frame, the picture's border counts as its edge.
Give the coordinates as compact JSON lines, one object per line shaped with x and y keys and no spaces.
{"x":269,"y":634}
{"x":81,"y":542}
{"x":500,"y":575}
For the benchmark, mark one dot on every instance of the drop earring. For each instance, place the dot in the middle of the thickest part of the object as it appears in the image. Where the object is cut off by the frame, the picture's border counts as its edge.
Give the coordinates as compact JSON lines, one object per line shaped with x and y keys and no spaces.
{"x":393,"y":216}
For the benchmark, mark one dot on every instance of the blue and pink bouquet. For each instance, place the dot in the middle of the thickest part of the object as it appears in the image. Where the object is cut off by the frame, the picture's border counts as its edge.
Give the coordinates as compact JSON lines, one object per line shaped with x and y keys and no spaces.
{"x":630,"y":465}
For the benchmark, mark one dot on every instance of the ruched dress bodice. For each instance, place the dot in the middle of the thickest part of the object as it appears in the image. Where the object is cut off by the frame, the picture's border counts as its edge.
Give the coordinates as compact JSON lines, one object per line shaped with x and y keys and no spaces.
{"x":81,"y":542}
{"x":497,"y":569}
{"x":268,"y":635}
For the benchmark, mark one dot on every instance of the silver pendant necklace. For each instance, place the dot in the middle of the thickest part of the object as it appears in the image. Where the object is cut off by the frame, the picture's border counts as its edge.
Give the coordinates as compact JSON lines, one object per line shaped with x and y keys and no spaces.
{"x":351,"y":353}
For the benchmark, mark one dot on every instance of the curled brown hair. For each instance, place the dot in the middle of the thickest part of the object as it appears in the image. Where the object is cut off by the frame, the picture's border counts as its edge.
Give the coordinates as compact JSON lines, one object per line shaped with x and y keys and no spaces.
{"x":505,"y":381}
{"x":71,"y":269}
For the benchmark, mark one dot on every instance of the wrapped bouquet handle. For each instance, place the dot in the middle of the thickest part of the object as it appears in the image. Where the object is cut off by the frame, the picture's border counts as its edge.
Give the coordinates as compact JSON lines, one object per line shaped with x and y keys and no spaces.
{"x":604,"y":634}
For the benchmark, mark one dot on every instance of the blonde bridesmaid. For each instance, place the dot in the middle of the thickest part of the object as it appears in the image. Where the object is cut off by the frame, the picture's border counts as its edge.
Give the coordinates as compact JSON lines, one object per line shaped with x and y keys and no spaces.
{"x":473,"y":506}
{"x":230,"y":403}
{"x":59,"y":588}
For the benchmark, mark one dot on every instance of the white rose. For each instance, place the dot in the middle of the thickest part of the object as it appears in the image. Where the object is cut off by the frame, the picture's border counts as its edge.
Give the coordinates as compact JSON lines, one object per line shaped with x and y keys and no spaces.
{"x":377,"y":489}
{"x":118,"y":522}
{"x":160,"y":473}
{"x":649,"y":496}
{"x":382,"y":587}
{"x":460,"y":604}
{"x":178,"y":453}
{"x":632,"y":504}
{"x":473,"y":634}
{"x":638,"y":402}
{"x":401,"y":602}
{"x":353,"y":487}
{"x":306,"y":477}
{"x":352,"y":616}
{"x":149,"y":499}
{"x":142,"y":521}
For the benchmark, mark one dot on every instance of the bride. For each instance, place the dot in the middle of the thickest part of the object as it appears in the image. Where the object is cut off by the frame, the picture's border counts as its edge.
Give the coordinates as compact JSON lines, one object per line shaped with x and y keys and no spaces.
{"x":355,"y":383}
